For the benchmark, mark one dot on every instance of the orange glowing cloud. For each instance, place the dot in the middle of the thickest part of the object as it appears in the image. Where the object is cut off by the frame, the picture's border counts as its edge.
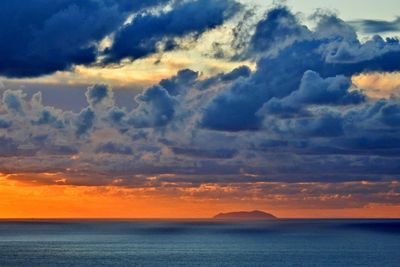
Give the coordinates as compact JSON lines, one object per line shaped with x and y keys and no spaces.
{"x":379,"y":85}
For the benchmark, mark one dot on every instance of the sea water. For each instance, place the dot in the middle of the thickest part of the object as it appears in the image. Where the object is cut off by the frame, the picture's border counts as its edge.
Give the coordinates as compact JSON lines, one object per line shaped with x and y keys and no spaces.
{"x":200,"y":243}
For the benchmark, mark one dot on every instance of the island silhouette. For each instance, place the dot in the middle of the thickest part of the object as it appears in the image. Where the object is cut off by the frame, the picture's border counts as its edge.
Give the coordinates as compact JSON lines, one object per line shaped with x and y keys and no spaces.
{"x":254,"y":215}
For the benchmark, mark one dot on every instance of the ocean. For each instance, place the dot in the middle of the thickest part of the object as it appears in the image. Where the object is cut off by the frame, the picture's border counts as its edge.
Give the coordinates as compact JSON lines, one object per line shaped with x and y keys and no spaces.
{"x":199,"y":243}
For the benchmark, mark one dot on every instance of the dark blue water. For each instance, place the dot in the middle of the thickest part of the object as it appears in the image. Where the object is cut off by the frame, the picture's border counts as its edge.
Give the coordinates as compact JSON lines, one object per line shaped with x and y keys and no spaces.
{"x":200,"y":243}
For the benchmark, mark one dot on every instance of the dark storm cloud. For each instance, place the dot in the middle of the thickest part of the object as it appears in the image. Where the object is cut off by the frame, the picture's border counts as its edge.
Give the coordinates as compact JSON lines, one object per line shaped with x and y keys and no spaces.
{"x":41,"y":37}
{"x":150,"y":33}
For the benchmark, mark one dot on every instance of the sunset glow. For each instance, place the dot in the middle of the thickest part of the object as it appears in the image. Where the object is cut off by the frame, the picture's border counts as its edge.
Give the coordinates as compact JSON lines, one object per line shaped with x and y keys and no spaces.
{"x":29,"y":199}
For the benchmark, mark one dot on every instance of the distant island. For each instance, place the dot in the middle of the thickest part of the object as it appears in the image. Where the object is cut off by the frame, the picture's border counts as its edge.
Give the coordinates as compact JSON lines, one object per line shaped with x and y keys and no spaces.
{"x":254,"y":215}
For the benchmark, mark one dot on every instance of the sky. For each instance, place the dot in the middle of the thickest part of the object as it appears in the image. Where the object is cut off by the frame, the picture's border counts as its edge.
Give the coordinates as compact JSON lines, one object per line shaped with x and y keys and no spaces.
{"x":188,"y":108}
{"x":348,"y":10}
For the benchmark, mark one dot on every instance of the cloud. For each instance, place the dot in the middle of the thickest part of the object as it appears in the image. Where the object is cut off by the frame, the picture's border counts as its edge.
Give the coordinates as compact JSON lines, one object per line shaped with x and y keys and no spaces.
{"x":239,"y":72}
{"x":242,"y":71}
{"x":328,"y":125}
{"x":84,"y":121}
{"x":42,"y":37}
{"x":4,"y":124}
{"x":203,"y":153}
{"x":8,"y":147}
{"x":182,"y":81}
{"x":314,"y":90}
{"x":96,"y":94}
{"x":113,"y":148}
{"x":278,"y":29}
{"x":377,"y":26}
{"x":155,"y":109}
{"x":45,"y":115}
{"x":150,"y":33}
{"x":12,"y":102}
{"x":331,"y":50}
{"x":294,"y":118}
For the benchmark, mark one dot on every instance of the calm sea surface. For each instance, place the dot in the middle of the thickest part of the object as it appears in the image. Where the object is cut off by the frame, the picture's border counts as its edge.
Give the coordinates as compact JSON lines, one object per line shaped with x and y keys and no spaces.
{"x":200,"y":243}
